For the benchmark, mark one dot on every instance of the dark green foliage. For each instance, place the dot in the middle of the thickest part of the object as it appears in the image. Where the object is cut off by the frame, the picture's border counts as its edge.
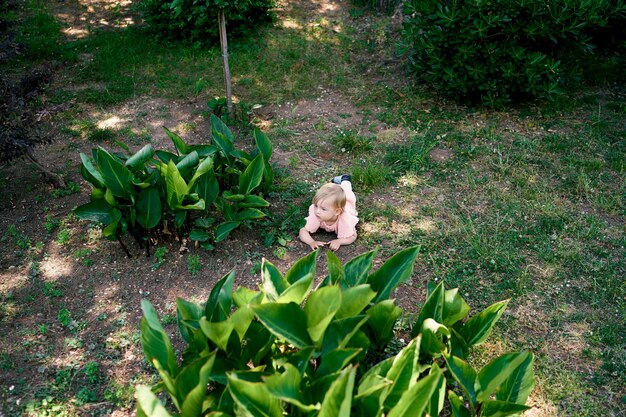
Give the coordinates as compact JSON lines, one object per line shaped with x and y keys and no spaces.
{"x":290,"y":349}
{"x":205,"y":191}
{"x":496,"y":51}
{"x":196,"y":20}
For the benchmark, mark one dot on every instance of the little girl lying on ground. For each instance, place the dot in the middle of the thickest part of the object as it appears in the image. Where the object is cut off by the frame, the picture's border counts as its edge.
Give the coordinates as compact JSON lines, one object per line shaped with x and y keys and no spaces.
{"x":334,"y":210}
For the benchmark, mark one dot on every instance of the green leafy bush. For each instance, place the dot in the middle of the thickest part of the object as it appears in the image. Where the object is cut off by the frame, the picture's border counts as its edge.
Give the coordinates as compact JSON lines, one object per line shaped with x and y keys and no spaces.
{"x":290,"y":349}
{"x":196,"y":20}
{"x":496,"y":51}
{"x":204,"y":190}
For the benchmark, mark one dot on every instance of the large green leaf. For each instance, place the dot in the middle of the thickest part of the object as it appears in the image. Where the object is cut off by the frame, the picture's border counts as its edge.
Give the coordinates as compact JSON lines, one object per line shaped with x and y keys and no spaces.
{"x":201,"y":235}
{"x":464,"y":375}
{"x":354,"y":300}
{"x":148,"y":208}
{"x":320,"y":309}
{"x":335,"y":269}
{"x":375,"y":376}
{"x":478,"y":328}
{"x":517,"y":387}
{"x":140,"y":158}
{"x":221,"y":298}
{"x":168,"y":382}
{"x":251,"y":200}
{"x":241,"y":319}
{"x":304,"y":268}
{"x":501,"y":409}
{"x":148,"y":405}
{"x":415,"y":400}
{"x":222,"y":137}
{"x":204,"y":150}
{"x":176,"y":186}
{"x":116,"y":176}
{"x":357,"y":269}
{"x":243,"y":296}
{"x":251,"y":177}
{"x":218,"y":125}
{"x":338,"y":400}
{"x":458,"y":347}
{"x":335,"y":361}
{"x":253,"y":398}
{"x":166,"y":156}
{"x":218,"y":332}
{"x":297,"y":291}
{"x":496,"y":372}
{"x":191,"y":385}
{"x":224,"y":229}
{"x":188,"y":315}
{"x":156,"y":344}
{"x":113,"y":230}
{"x":284,"y":321}
{"x":249,"y":214}
{"x":263,"y":143}
{"x":230,"y":196}
{"x":433,"y":309}
{"x":340,"y":332}
{"x":403,"y":372}
{"x":178,"y":142}
{"x":273,"y":282}
{"x":90,"y":173}
{"x":189,"y":162}
{"x":454,"y":307}
{"x":437,"y":399}
{"x":457,"y":406}
{"x":98,"y":211}
{"x":300,"y":279}
{"x":392,"y":273}
{"x":207,"y":187}
{"x":382,"y":318}
{"x":286,"y":387}
{"x":204,"y":166}
{"x":433,"y":342}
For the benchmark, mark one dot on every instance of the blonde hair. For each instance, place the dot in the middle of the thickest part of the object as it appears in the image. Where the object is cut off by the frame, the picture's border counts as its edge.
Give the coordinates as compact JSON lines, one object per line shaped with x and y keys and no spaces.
{"x":332,"y":193}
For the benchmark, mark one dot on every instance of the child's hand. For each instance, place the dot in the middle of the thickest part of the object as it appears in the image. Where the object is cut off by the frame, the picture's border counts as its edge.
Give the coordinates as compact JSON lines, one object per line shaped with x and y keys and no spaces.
{"x":317,"y":244}
{"x":334,"y":244}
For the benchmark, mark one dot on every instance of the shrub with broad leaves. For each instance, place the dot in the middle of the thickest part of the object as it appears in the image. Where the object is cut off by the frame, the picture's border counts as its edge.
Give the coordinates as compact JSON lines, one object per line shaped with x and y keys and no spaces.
{"x":205,"y":191}
{"x":291,"y":349}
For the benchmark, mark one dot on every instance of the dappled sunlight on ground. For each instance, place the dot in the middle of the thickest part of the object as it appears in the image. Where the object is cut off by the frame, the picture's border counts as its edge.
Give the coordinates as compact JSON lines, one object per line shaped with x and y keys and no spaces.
{"x":93,"y":14}
{"x":426,"y":225}
{"x":114,"y":122}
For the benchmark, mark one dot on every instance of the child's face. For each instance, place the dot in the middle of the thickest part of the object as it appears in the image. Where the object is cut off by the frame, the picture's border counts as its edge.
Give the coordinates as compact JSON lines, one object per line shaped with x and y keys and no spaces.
{"x":326,"y":211}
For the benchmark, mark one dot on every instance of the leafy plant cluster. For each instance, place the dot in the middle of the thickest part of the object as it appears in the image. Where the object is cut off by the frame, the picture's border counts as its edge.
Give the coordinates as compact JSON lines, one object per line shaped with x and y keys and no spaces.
{"x":155,"y":193}
{"x":289,"y":349}
{"x":496,"y":51}
{"x":196,"y":21}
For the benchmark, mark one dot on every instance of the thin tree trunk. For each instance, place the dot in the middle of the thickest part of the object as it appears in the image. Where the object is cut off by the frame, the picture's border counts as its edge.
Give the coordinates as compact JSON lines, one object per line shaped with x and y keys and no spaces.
{"x":221,"y":17}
